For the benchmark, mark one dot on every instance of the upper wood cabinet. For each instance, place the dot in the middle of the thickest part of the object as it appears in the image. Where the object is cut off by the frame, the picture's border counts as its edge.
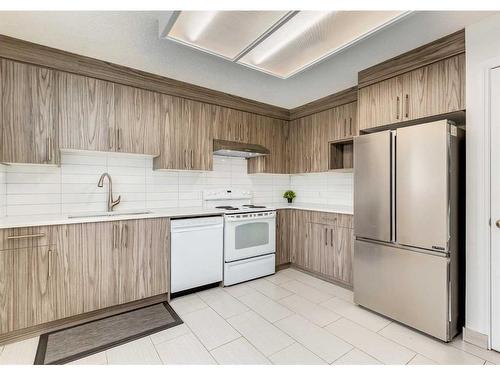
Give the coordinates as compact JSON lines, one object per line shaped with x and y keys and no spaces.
{"x":272,"y":134}
{"x":28,"y":131}
{"x":86,"y":113}
{"x":432,"y":90}
{"x":233,"y":125}
{"x":309,"y":136}
{"x":138,"y":120}
{"x":186,"y":138}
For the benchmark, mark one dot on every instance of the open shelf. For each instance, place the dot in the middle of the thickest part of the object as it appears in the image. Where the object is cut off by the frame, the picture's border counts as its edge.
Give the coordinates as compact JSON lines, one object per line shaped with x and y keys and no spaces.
{"x":341,"y":155}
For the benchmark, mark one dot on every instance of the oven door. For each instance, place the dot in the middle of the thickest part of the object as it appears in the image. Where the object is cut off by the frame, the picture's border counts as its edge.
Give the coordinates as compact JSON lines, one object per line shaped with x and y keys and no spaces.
{"x":249,"y":235}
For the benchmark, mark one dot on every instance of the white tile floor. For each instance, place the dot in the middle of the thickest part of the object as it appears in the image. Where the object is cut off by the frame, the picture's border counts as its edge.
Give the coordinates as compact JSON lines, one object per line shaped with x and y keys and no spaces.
{"x":288,"y":318}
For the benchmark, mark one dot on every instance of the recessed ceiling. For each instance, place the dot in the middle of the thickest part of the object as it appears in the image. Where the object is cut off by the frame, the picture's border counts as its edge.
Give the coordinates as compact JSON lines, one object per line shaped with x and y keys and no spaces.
{"x":280,"y":43}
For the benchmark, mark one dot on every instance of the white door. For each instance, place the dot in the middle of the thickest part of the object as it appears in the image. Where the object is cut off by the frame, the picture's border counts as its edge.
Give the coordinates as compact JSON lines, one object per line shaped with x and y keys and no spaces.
{"x":495,"y":208}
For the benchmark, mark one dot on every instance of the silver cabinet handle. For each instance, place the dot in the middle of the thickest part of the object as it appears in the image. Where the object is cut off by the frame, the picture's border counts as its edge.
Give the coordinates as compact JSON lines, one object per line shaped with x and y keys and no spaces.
{"x":192,"y":161}
{"x":326,"y":236}
{"x":331,"y":237}
{"x":119,"y":139}
{"x":115,"y":236}
{"x":49,"y":149}
{"x":498,"y":223}
{"x":397,"y":108}
{"x":110,"y":138}
{"x":407,"y":105}
{"x":345,"y":127}
{"x":350,"y":126}
{"x":50,"y":264}
{"x":26,"y":236}
{"x":124,"y":235}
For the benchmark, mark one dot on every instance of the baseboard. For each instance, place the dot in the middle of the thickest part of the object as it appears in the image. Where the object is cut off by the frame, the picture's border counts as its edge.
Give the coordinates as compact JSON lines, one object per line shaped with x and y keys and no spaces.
{"x":322,"y":277}
{"x":26,"y":333}
{"x":283,"y":266}
{"x":475,"y":338}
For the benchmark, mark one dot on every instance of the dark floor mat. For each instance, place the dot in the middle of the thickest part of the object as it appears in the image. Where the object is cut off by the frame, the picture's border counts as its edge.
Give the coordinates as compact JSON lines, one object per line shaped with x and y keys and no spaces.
{"x":80,"y":341}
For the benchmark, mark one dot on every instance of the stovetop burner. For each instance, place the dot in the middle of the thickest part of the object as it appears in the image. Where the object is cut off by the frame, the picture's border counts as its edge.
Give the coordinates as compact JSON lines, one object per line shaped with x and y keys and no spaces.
{"x":230,"y":208}
{"x":253,"y":206}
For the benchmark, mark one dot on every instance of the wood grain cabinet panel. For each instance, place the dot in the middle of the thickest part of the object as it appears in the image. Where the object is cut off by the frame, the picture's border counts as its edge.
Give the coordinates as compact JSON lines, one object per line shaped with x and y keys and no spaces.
{"x":187,"y":134}
{"x":27,"y":292}
{"x":435,"y":89}
{"x":143,"y":258}
{"x":272,"y":134}
{"x":284,"y":236}
{"x":380,"y":104}
{"x":138,"y":120}
{"x":86,"y":113}
{"x":28,"y":131}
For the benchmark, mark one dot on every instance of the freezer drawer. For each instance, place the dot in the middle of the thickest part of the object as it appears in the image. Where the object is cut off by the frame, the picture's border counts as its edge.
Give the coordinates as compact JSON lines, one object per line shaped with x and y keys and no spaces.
{"x":422,"y":181}
{"x":373,"y":186}
{"x":408,"y":286}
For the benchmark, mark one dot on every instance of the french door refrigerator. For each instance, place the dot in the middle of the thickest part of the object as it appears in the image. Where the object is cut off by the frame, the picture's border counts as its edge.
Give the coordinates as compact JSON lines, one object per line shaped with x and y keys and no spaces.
{"x":408,"y":225}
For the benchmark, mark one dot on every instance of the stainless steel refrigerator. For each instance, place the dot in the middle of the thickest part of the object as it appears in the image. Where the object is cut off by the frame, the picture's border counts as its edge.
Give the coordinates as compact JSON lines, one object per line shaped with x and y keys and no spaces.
{"x":408,"y":225}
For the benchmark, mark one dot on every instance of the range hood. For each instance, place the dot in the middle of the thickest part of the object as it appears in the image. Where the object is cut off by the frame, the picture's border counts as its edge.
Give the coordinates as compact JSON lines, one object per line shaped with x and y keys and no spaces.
{"x":238,"y":149}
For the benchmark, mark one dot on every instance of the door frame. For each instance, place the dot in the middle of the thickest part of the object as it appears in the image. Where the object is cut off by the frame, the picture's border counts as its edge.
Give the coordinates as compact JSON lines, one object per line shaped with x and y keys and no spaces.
{"x":487,"y":68}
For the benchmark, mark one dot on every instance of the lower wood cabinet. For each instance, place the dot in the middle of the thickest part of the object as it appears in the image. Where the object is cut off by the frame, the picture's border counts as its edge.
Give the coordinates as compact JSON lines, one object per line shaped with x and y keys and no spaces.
{"x":318,"y":242}
{"x":85,"y":267}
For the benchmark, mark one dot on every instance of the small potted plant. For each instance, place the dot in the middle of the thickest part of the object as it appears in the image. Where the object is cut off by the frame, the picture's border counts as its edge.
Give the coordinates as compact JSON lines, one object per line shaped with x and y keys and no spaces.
{"x":289,"y":195}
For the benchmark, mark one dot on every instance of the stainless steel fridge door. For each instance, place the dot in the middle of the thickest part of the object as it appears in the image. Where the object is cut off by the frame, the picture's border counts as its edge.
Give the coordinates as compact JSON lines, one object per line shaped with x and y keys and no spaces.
{"x":408,"y":286}
{"x":422,"y":199}
{"x":373,"y":186}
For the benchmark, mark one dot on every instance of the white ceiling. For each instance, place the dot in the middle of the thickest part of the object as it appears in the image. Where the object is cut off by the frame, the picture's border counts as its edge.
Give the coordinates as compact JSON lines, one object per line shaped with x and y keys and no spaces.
{"x":131,"y":39}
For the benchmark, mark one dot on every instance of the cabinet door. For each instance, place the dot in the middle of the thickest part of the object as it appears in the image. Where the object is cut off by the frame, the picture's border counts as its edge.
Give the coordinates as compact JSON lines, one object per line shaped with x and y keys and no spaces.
{"x":86,"y":113}
{"x":27,"y":278}
{"x":300,"y":238}
{"x":200,"y":141}
{"x":435,"y":89}
{"x":380,"y":103}
{"x":343,"y":245}
{"x":233,"y":125}
{"x":350,"y":112}
{"x":28,"y":114}
{"x":283,"y":234}
{"x":318,"y":143}
{"x":143,"y":259}
{"x":316,"y":246}
{"x":138,"y":120}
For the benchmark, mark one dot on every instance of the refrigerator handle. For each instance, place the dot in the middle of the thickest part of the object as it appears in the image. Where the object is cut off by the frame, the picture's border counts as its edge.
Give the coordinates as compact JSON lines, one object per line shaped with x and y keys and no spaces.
{"x":393,"y":186}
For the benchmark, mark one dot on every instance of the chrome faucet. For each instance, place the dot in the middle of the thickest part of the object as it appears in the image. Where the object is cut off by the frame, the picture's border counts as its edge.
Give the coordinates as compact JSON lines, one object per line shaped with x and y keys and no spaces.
{"x":111,"y":203}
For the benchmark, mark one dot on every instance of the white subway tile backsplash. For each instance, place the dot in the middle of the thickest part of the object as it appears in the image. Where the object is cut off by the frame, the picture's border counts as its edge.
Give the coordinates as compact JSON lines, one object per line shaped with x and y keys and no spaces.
{"x":72,"y":188}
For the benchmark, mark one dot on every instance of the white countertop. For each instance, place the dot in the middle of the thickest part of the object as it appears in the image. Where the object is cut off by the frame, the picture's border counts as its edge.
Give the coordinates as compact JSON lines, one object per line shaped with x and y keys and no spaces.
{"x":338,"y":209}
{"x":38,"y":220}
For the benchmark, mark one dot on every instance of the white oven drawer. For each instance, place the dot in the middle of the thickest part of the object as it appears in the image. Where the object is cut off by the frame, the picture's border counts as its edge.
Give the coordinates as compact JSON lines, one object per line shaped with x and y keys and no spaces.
{"x":248,"y":269}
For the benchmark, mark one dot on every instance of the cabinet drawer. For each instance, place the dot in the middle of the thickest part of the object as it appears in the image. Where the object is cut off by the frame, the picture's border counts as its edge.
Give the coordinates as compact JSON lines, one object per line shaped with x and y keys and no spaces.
{"x":20,"y":238}
{"x":332,"y":219}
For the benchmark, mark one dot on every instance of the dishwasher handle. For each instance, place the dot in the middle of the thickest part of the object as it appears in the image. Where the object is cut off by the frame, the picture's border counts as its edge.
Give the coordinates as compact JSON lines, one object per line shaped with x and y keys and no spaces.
{"x":192,"y":228}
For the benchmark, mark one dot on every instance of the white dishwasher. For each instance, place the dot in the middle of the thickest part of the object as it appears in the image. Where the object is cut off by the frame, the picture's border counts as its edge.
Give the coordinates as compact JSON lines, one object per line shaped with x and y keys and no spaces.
{"x":196,"y":252}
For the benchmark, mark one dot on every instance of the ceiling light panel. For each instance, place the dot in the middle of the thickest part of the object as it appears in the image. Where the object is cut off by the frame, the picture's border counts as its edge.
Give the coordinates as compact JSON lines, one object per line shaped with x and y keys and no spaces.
{"x":222,"y":33}
{"x":311,"y":36}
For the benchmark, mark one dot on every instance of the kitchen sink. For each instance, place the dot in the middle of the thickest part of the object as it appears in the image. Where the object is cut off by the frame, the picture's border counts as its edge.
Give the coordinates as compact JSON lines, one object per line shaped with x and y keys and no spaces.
{"x":103,"y":214}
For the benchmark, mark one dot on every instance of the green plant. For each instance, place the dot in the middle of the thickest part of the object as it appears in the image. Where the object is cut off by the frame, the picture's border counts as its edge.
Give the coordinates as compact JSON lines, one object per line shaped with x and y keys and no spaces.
{"x":289,"y":194}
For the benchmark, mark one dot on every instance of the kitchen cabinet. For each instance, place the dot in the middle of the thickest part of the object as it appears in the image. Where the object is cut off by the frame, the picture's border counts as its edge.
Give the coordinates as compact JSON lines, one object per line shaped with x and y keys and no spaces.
{"x":432,"y":90}
{"x":143,"y":246}
{"x":272,"y":134}
{"x":138,"y":120}
{"x":86,"y":113}
{"x":186,"y":138}
{"x":233,"y":125}
{"x":28,"y":131}
{"x":283,"y":236}
{"x":78,"y":268}
{"x":27,"y":287}
{"x":322,"y":244}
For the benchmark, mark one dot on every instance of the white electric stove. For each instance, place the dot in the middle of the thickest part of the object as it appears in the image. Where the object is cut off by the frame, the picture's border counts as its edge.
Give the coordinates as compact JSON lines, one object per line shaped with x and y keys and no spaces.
{"x":249,"y":235}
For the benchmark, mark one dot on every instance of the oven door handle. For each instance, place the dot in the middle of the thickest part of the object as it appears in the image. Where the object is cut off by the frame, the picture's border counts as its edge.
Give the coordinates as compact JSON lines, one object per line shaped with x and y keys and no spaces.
{"x":251,"y":219}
